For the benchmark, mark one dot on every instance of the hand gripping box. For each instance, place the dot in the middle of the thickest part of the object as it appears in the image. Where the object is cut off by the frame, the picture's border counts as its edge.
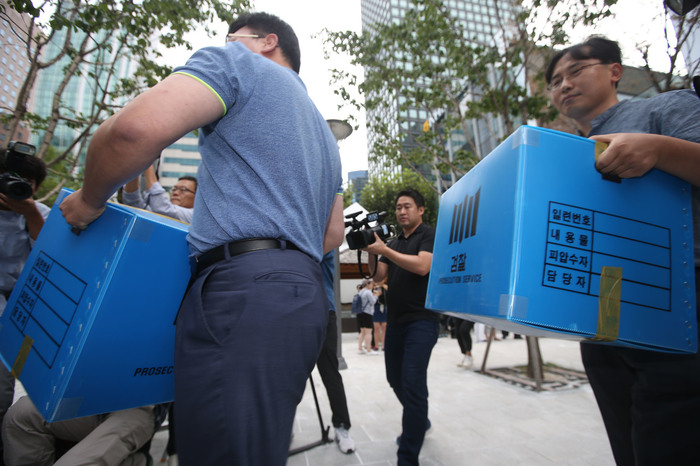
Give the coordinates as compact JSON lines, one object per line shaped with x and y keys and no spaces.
{"x":533,"y":240}
{"x":89,"y":328}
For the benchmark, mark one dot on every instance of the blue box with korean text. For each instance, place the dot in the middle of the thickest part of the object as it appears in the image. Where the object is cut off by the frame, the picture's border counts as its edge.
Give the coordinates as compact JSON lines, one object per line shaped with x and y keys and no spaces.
{"x":89,"y":327}
{"x":533,"y":240}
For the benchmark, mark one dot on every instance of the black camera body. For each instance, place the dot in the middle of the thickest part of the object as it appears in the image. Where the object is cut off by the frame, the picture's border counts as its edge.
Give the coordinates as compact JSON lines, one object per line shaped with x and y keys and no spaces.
{"x":362,"y":233}
{"x":12,"y":161}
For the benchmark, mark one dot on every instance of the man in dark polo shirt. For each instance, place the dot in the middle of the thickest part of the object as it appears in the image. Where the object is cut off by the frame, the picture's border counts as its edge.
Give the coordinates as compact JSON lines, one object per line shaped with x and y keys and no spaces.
{"x":412,"y":330}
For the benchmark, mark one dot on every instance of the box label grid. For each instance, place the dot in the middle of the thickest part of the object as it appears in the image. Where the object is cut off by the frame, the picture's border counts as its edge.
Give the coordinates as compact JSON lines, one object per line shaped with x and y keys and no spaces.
{"x":581,"y":241}
{"x":44,"y":311}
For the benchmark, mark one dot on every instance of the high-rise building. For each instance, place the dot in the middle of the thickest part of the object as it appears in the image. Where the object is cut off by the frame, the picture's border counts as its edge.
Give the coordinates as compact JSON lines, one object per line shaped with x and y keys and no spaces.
{"x":180,"y":159}
{"x":480,"y":20}
{"x":357,"y":180}
{"x":84,"y":89}
{"x":14,"y":67}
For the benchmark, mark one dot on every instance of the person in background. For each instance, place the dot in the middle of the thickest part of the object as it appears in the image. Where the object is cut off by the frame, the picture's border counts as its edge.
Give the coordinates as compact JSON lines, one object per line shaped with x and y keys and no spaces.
{"x":116,"y":438}
{"x":328,"y":367}
{"x":21,"y":220}
{"x":368,"y":300}
{"x":464,"y":339}
{"x":650,"y":401}
{"x":412,"y":330}
{"x":179,"y":205}
{"x":379,"y":318}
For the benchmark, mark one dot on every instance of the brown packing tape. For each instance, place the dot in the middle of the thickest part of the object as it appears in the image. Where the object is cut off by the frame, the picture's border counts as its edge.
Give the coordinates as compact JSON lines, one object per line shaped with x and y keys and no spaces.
{"x":22,"y":356}
{"x":609,"y":304}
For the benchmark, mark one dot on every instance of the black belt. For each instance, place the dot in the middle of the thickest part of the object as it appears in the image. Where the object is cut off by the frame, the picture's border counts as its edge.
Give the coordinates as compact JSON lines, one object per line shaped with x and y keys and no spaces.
{"x":236,"y":248}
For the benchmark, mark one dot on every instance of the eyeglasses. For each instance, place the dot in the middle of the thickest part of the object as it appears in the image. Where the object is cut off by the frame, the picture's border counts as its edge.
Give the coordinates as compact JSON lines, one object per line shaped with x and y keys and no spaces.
{"x":571,"y":74}
{"x":180,"y":189}
{"x":235,"y":36}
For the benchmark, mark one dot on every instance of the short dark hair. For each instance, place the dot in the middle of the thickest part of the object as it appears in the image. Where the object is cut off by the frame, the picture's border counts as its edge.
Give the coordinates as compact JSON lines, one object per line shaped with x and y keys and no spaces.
{"x":413,"y":194}
{"x":189,"y":178}
{"x":265,"y":23}
{"x":598,"y":47}
{"x":32,"y":168}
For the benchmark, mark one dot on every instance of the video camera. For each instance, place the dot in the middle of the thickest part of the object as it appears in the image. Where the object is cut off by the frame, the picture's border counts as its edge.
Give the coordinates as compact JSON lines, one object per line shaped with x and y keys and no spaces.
{"x":12,"y":161}
{"x":362,"y":234}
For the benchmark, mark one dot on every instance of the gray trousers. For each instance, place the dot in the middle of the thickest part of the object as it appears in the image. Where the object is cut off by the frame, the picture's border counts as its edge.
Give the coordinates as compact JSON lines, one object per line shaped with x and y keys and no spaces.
{"x":112,"y":439}
{"x":7,"y":394}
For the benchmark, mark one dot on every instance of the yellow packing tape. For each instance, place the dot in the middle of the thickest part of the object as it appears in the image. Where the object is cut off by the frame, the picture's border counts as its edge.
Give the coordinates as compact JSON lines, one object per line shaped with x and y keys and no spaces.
{"x":22,"y":356}
{"x":609,"y":304}
{"x":599,"y":148}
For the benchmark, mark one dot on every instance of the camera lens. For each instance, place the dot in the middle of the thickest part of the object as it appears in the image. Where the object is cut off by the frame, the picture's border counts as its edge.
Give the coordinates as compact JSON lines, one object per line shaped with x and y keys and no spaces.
{"x":15,"y":187}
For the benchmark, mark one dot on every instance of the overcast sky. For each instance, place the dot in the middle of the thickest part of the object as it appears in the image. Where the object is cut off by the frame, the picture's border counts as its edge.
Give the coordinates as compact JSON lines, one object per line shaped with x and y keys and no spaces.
{"x":635,"y":20}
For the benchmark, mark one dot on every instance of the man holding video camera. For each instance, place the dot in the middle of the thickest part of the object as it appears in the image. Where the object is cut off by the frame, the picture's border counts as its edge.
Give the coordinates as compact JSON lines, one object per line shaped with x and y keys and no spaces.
{"x":412,"y":330}
{"x":21,"y":220}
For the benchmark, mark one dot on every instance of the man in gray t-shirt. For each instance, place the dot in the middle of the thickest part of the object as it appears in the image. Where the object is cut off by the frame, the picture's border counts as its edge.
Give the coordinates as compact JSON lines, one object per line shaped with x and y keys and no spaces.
{"x":253,"y":320}
{"x":649,"y":401}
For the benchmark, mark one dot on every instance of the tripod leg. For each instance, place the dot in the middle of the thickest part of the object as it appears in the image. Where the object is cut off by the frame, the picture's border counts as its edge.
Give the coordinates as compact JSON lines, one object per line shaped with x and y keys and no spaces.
{"x":324,"y":430}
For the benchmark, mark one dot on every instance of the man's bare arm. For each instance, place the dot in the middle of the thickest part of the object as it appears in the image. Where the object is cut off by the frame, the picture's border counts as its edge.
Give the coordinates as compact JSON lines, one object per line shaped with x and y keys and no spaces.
{"x":128,"y":142}
{"x":418,"y":264}
{"x":335,"y":228}
{"x":382,"y":269}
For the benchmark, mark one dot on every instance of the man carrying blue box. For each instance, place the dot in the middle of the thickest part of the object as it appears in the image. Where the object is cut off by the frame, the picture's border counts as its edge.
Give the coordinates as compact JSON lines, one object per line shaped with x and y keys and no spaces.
{"x":649,"y":401}
{"x":253,"y":320}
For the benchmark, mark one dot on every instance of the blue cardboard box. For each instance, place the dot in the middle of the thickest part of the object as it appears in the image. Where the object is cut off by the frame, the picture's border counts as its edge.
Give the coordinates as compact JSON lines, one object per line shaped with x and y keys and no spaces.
{"x":89,"y":327}
{"x":533,"y":240}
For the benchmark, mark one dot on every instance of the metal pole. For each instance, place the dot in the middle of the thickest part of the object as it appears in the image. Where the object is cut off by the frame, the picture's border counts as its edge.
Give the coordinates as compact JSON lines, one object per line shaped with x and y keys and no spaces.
{"x":338,"y":317}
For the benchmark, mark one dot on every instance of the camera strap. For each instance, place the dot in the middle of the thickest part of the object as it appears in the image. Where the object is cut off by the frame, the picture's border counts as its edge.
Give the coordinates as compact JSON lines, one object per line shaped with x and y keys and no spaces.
{"x":359,"y":264}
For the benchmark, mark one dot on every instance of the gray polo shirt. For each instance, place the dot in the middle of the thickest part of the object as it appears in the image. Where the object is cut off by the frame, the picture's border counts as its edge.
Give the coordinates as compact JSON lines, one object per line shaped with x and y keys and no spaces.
{"x":675,"y":114}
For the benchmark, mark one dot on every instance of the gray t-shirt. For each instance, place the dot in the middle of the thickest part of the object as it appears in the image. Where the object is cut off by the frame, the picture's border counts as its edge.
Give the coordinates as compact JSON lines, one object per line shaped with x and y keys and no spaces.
{"x":15,"y":246}
{"x":270,"y":165}
{"x":675,"y":114}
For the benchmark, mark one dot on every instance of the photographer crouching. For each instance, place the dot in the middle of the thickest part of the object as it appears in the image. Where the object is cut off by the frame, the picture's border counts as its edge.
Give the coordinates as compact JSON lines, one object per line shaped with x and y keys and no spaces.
{"x":21,"y":220}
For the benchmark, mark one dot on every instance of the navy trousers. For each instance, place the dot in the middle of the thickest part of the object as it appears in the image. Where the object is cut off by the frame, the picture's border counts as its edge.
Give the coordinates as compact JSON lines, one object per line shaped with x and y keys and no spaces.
{"x":406,"y":355}
{"x":248,"y":335}
{"x":649,"y":401}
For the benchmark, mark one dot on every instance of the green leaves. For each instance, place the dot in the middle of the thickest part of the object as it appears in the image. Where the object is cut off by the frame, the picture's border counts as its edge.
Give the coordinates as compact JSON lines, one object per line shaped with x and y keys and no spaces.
{"x":380,"y":193}
{"x":428,"y":64}
{"x":95,"y":40}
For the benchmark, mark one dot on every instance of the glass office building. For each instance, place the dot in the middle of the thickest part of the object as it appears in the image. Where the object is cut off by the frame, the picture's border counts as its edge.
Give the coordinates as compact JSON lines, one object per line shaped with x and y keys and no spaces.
{"x":480,"y":20}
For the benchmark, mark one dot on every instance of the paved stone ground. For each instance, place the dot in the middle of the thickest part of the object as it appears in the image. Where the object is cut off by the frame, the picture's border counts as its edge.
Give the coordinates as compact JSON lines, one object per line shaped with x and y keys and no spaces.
{"x":477,"y":419}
